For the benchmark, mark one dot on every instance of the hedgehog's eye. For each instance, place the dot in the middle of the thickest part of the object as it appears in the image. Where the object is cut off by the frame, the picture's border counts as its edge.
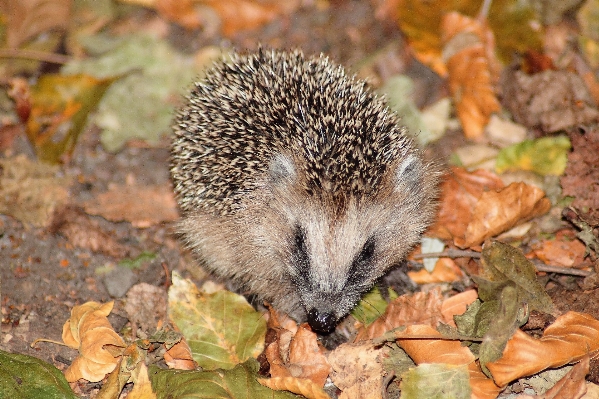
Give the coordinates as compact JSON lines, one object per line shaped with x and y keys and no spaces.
{"x":367,"y":252}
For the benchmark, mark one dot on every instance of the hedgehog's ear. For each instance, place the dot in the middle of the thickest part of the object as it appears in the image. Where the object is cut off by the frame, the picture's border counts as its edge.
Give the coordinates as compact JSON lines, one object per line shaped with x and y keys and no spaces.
{"x":281,"y":170}
{"x":409,"y":173}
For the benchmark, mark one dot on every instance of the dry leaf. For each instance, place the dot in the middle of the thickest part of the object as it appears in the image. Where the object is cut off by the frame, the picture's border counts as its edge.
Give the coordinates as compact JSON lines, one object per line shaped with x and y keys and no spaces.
{"x":571,"y":386}
{"x":418,"y":308}
{"x":457,"y":305}
{"x":569,"y":339}
{"x":298,"y":355}
{"x":357,"y":370}
{"x":446,"y":270}
{"x":179,"y":356}
{"x":89,"y":331}
{"x":143,"y":206}
{"x":460,"y":192}
{"x":300,"y":386}
{"x":562,"y":251}
{"x":473,"y":70}
{"x":499,"y":211}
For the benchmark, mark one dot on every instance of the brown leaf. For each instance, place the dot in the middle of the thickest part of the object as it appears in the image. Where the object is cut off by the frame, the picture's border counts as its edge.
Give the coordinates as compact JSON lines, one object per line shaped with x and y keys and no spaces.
{"x":26,"y":19}
{"x":298,"y":355}
{"x":418,"y":308}
{"x":179,"y":356}
{"x":499,"y":211}
{"x":457,"y":305}
{"x":561,"y":251}
{"x":572,"y":385}
{"x":357,"y":370}
{"x":446,"y":270}
{"x":460,"y":192}
{"x":89,"y":331}
{"x":82,"y":232}
{"x":569,"y":339}
{"x":473,"y":70}
{"x":143,"y":206}
{"x":300,"y":386}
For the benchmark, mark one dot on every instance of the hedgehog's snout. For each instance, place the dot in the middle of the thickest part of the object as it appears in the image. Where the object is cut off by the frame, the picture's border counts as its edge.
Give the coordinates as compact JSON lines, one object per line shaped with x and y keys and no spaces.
{"x":322,"y":322}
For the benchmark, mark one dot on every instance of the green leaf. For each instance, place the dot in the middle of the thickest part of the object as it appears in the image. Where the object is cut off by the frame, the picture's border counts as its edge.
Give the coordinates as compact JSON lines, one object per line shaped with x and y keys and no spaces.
{"x":221,"y":328}
{"x":503,"y":263}
{"x":59,"y":111}
{"x":372,"y":306}
{"x":436,"y":381}
{"x":545,"y":156}
{"x":239,"y":382}
{"x":26,"y":377}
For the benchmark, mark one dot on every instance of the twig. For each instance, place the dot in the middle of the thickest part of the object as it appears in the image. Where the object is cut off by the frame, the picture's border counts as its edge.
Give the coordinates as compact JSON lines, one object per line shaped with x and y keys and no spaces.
{"x":34,"y":55}
{"x":562,"y":270}
{"x":451,"y":253}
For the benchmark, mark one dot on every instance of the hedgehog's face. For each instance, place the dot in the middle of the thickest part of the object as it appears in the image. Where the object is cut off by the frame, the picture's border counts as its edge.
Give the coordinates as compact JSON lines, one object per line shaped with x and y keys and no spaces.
{"x":334,"y":257}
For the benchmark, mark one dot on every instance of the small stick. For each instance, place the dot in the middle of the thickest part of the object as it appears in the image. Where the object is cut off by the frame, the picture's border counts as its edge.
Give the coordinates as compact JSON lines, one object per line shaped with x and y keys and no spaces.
{"x":34,"y":55}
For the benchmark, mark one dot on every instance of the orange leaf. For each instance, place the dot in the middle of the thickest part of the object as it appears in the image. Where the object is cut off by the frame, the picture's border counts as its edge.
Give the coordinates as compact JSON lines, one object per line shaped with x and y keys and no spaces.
{"x":460,"y":192}
{"x":300,"y":386}
{"x":298,"y":355}
{"x":561,"y":252}
{"x":445,"y":270}
{"x":571,"y":386}
{"x":570,"y":338}
{"x":457,"y":305}
{"x":499,"y":211}
{"x":473,"y":70}
{"x":179,"y":356}
{"x":89,"y":331}
{"x":419,"y":308}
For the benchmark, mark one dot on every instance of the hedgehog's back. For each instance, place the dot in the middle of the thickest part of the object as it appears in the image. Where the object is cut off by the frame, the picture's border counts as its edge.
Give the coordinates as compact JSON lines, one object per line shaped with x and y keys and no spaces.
{"x":253,"y":107}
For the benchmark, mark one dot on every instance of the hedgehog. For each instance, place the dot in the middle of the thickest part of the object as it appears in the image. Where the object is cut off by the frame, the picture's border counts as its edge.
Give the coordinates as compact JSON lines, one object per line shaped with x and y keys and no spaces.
{"x":297,"y":182}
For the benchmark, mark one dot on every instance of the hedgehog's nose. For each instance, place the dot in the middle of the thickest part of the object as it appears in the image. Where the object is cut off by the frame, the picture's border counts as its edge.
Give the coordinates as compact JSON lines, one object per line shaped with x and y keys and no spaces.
{"x":321,"y":322}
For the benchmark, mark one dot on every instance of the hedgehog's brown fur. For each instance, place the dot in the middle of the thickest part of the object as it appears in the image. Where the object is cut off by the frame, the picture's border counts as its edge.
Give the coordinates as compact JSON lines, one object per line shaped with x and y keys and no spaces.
{"x":296,"y":181}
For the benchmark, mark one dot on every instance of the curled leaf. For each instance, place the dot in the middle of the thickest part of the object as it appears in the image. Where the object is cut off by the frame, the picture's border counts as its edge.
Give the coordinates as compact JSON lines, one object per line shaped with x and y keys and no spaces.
{"x":89,"y":331}
{"x":569,"y":339}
